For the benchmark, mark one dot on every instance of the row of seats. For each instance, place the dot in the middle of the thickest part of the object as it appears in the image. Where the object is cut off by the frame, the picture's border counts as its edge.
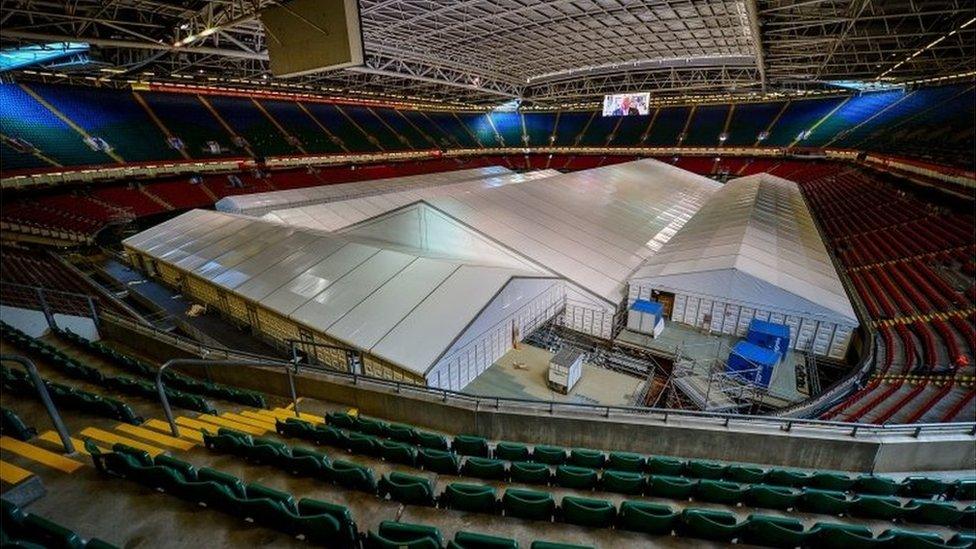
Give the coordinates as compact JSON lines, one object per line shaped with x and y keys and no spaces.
{"x":65,"y":396}
{"x":174,"y":380}
{"x":900,"y":253}
{"x":279,"y":127}
{"x":30,"y":531}
{"x":318,"y":522}
{"x":640,"y":516}
{"x":75,"y":369}
{"x":964,"y":489}
{"x":316,"y":465}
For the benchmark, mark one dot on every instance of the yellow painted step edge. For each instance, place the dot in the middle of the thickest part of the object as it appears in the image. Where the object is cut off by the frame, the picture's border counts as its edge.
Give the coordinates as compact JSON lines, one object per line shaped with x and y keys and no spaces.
{"x":40,"y":455}
{"x":223,"y":422}
{"x":112,"y":438}
{"x":194,"y":424}
{"x":154,"y":437}
{"x":188,"y":433}
{"x":263,"y":423}
{"x":53,"y":438}
{"x":11,"y":474}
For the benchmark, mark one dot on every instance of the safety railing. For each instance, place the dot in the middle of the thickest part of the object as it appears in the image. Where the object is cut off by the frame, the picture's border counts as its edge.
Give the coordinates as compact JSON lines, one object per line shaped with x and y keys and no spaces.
{"x":52,"y":410}
{"x":660,"y":415}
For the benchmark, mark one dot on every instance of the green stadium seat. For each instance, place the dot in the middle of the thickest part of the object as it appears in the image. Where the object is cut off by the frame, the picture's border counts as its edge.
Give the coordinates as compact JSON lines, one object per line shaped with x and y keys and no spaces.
{"x":671,"y":487}
{"x":528,"y":504}
{"x":228,"y":441}
{"x":917,"y":486}
{"x":306,"y":462}
{"x":340,"y":420}
{"x":267,"y":506}
{"x":668,"y":466}
{"x":626,"y":461}
{"x":786,"y":477}
{"x":294,"y":427}
{"x":647,"y":517}
{"x":710,"y":524}
{"x":432,"y":440}
{"x":828,"y":502}
{"x":595,"y":513}
{"x":744,"y":473}
{"x":438,"y":461}
{"x":327,"y":435}
{"x":881,"y":486}
{"x":11,"y":425}
{"x":550,"y":455}
{"x":360,"y":443}
{"x":584,"y":457}
{"x":705,"y":469}
{"x":474,"y":498}
{"x":409,"y":489}
{"x":470,"y":445}
{"x":720,"y":491}
{"x":772,"y":497}
{"x":580,"y":478}
{"x":493,"y":469}
{"x":880,"y":507}
{"x":265,"y":450}
{"x":49,"y":534}
{"x":936,"y":512}
{"x":347,"y":531}
{"x":352,"y":475}
{"x":845,"y":536}
{"x":397,"y":452}
{"x":398,"y":535}
{"x":512,"y":451}
{"x":832,"y":481}
{"x":474,"y":540}
{"x":622,"y":482}
{"x":771,"y":531}
{"x":372,"y":426}
{"x":402,"y":433}
{"x":908,"y":539}
{"x":530,"y":472}
{"x":964,"y":489}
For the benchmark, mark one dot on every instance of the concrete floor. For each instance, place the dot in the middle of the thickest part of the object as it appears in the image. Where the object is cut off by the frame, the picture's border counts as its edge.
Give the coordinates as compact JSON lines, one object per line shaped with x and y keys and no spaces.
{"x":704,"y":348}
{"x":596,"y":386}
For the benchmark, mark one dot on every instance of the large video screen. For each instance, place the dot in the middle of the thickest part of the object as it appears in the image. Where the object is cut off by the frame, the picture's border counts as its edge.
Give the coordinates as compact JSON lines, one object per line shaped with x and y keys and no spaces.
{"x":626,"y":104}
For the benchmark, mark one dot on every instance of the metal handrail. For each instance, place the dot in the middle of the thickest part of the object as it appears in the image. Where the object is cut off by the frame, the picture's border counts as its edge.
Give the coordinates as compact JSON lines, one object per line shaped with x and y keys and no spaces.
{"x":52,"y":410}
{"x":161,"y":389}
{"x":636,"y":412}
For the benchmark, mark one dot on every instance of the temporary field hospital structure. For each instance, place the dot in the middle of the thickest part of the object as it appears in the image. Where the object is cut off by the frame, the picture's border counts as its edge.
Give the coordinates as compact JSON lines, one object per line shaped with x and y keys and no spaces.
{"x":258,"y":204}
{"x":592,"y":228}
{"x":412,"y":316}
{"x":752,"y":251}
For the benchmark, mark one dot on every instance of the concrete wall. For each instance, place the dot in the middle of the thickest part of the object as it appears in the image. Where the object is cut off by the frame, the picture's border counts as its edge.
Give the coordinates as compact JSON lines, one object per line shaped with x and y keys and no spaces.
{"x":767,"y":446}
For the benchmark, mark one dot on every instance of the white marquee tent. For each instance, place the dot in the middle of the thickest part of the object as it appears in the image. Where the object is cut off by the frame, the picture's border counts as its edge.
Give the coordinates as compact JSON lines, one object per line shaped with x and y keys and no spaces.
{"x":418,"y":318}
{"x":753,"y":251}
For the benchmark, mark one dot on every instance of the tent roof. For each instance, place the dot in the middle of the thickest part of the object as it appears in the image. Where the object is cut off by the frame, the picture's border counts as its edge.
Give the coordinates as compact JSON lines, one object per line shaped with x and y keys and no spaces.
{"x":755,"y":243}
{"x":261,"y":203}
{"x":592,"y":227}
{"x":380,"y":300}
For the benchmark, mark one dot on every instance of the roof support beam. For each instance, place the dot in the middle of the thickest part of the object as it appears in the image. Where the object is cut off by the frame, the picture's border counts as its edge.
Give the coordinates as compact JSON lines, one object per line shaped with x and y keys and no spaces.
{"x":752,"y":10}
{"x":132,"y":44}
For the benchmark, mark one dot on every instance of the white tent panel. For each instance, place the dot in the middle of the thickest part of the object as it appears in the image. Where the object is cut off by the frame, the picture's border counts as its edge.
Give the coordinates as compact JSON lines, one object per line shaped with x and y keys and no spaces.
{"x":261,"y":203}
{"x":349,"y":289}
{"x":292,"y":241}
{"x":421,"y":338}
{"x":279,"y":273}
{"x":379,"y":312}
{"x":313,"y":280}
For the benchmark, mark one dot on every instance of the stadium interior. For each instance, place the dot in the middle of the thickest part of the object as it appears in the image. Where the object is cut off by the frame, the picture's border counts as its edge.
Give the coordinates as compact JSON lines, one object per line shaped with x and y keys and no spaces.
{"x":488,"y":273}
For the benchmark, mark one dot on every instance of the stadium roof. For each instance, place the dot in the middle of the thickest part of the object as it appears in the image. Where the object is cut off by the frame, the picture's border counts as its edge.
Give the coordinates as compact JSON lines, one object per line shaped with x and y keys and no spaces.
{"x":753,"y":243}
{"x":370,"y":297}
{"x":491,"y":51}
{"x":592,"y":227}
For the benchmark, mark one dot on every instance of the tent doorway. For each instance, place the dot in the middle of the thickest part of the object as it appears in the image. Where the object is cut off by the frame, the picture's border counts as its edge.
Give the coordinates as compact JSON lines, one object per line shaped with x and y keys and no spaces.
{"x":666,"y":299}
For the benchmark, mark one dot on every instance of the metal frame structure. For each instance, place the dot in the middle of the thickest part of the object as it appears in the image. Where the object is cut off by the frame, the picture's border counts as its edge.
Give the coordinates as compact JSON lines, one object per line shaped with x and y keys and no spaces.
{"x":545,"y":52}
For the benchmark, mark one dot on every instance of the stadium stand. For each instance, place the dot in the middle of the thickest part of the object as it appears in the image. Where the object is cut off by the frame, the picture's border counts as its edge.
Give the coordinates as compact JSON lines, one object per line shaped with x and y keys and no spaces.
{"x":188,"y":120}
